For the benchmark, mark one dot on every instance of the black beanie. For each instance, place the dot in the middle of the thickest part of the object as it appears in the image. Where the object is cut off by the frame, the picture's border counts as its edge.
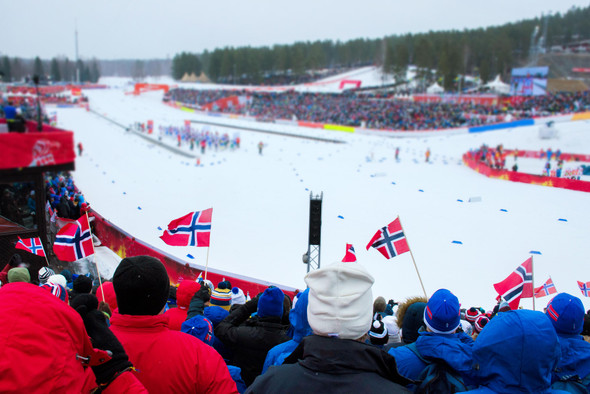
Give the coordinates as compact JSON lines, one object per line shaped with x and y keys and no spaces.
{"x":83,"y":285}
{"x":141,"y":285}
{"x":413,"y":320}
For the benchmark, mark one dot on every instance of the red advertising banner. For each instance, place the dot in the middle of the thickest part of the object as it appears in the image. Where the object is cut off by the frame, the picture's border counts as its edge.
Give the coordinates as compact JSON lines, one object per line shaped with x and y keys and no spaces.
{"x":514,"y":176}
{"x":581,"y":70}
{"x":125,"y":245}
{"x":36,"y":149}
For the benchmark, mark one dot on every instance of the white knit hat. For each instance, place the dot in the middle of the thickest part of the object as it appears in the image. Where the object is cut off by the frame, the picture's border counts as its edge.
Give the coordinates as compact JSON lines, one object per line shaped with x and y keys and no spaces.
{"x":340,"y":300}
{"x":58,"y":280}
{"x":237,"y":296}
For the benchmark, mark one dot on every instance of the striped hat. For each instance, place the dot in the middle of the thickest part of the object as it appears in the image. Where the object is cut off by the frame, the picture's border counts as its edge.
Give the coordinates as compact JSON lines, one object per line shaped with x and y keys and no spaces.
{"x":378,"y":334}
{"x":44,"y":274}
{"x":221,"y":297}
{"x":480,"y":323}
{"x":472,"y":314}
{"x":57,"y":290}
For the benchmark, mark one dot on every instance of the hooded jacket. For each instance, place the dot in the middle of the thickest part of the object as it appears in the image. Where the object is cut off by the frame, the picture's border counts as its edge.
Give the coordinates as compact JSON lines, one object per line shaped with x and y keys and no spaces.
{"x":575,"y":357}
{"x":515,"y":353}
{"x":169,"y":361}
{"x":33,"y":318}
{"x":454,"y":349}
{"x":184,"y":293}
{"x":250,"y":339}
{"x":301,"y":329}
{"x":332,"y":365}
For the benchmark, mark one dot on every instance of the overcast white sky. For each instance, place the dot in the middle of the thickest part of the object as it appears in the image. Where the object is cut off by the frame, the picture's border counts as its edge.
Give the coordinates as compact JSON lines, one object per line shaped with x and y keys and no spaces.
{"x":114,"y":29}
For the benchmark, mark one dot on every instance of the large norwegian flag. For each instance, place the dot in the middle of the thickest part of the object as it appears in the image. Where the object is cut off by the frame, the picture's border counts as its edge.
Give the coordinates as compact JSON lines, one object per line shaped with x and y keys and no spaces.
{"x":350,"y":256}
{"x":193,"y":229}
{"x":584,"y":288}
{"x":517,"y":285}
{"x":74,"y":240}
{"x":547,"y":288}
{"x":31,"y":245}
{"x":390,"y":241}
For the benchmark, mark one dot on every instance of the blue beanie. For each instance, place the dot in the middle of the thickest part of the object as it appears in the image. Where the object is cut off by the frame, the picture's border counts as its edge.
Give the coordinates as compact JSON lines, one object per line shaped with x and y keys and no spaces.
{"x":215,"y":314}
{"x":442,"y":314}
{"x":199,"y":327}
{"x":270,"y":302}
{"x":566,"y":312}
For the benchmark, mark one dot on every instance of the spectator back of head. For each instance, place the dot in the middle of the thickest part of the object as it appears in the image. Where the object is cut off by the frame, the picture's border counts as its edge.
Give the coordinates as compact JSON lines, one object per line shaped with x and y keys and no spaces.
{"x":443,"y":312}
{"x":566,"y":313}
{"x":270,"y":302}
{"x":19,"y":274}
{"x":340,"y":300}
{"x":142,"y":285}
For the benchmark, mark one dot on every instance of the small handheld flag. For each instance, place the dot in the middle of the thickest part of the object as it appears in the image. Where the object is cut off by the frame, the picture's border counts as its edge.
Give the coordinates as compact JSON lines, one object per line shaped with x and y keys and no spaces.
{"x":390,"y":241}
{"x":193,"y":229}
{"x":31,"y":245}
{"x":74,"y":240}
{"x":547,"y":288}
{"x":517,"y":285}
{"x":350,"y":256}
{"x":584,"y":288}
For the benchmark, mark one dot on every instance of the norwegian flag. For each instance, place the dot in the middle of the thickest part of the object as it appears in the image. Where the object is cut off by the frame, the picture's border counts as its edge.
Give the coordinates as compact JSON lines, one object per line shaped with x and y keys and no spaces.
{"x":390,"y":241}
{"x":74,"y":240}
{"x":193,"y":229}
{"x":350,"y":256}
{"x":31,"y":245}
{"x":547,"y":288}
{"x":517,"y":285}
{"x":584,"y":288}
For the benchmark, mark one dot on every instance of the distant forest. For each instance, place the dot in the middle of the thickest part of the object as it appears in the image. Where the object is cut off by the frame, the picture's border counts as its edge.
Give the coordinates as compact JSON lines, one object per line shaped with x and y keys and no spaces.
{"x":484,"y":52}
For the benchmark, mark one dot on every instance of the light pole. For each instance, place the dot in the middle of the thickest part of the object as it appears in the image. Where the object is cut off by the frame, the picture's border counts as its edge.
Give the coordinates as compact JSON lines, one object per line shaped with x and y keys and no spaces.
{"x":39,"y":123}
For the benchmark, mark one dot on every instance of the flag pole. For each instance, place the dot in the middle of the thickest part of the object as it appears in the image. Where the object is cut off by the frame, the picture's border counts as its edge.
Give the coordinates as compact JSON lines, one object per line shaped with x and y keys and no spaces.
{"x":44,"y":253}
{"x":94,"y":258}
{"x":413,"y":260}
{"x":533,"y":280}
{"x":208,"y":247}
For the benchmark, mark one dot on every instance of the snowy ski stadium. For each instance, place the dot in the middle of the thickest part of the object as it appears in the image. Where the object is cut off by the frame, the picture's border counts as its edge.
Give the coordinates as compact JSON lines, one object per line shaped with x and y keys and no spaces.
{"x":466,"y":231}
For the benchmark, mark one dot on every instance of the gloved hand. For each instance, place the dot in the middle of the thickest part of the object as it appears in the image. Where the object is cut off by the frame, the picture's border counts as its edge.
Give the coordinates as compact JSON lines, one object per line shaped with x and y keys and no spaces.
{"x":102,"y":338}
{"x":204,"y":293}
{"x":252,"y":305}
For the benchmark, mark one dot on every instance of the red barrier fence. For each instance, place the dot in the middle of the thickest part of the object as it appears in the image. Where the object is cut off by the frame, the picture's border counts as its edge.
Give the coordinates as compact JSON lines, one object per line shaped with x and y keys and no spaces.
{"x":125,"y":245}
{"x":514,"y":176}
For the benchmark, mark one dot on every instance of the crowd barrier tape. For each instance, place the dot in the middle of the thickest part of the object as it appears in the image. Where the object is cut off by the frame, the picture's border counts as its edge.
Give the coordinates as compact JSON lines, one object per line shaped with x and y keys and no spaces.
{"x":126,"y":245}
{"x":498,"y":126}
{"x":563,"y":183}
{"x":336,"y":127}
{"x":310,"y":125}
{"x":187,"y":109}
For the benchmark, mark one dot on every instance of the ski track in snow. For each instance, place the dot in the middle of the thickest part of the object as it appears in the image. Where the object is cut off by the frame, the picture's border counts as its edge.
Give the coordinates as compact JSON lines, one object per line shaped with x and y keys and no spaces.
{"x":261,"y":203}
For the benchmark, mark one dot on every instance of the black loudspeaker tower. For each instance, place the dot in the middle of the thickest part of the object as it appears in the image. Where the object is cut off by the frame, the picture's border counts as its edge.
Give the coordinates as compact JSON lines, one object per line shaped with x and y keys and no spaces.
{"x":315,"y":221}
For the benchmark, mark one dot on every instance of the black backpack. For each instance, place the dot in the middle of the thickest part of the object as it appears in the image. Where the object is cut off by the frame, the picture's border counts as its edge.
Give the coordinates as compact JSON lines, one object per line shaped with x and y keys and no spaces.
{"x":437,"y":376}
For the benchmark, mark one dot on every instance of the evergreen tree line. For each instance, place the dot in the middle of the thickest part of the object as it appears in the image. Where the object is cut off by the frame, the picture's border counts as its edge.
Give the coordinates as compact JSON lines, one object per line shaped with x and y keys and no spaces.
{"x":484,"y":52}
{"x":58,"y":69}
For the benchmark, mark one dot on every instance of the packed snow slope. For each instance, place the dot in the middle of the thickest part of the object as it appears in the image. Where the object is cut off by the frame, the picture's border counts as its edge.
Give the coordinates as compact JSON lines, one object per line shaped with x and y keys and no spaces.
{"x":261,"y":202}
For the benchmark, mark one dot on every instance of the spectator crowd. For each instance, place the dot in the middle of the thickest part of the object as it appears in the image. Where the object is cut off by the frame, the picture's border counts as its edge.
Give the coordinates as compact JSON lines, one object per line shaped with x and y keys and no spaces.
{"x":138,"y":333}
{"x":378,"y":111}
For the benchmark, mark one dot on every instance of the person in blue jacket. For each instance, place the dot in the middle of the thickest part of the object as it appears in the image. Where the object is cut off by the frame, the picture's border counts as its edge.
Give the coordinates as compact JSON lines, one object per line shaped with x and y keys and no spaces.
{"x":301,"y":329}
{"x":439,"y":341}
{"x":566,"y":313}
{"x":516,"y":353}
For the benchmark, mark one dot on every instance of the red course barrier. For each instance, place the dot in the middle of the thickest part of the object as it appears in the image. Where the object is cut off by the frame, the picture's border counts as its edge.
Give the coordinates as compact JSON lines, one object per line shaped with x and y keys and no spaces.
{"x":513,"y":176}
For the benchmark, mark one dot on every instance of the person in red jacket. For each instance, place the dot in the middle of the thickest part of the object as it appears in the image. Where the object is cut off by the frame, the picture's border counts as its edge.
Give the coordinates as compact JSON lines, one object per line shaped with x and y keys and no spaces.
{"x":34,"y":318}
{"x":185,"y":292}
{"x":166,"y":361}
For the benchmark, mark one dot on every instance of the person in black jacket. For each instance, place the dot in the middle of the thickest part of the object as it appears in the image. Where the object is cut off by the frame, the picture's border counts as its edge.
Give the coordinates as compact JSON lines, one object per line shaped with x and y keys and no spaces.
{"x":335,"y":359}
{"x":250,"y":339}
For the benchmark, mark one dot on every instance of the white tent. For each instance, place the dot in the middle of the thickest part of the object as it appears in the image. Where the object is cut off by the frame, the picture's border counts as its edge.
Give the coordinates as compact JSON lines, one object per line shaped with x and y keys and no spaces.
{"x":498,"y":86}
{"x":434,"y":89}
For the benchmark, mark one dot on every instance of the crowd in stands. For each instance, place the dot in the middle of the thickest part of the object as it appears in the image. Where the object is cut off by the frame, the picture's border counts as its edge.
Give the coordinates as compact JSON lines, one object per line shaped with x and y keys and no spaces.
{"x":379,"y":111}
{"x":283,"y":78}
{"x":139,"y":333}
